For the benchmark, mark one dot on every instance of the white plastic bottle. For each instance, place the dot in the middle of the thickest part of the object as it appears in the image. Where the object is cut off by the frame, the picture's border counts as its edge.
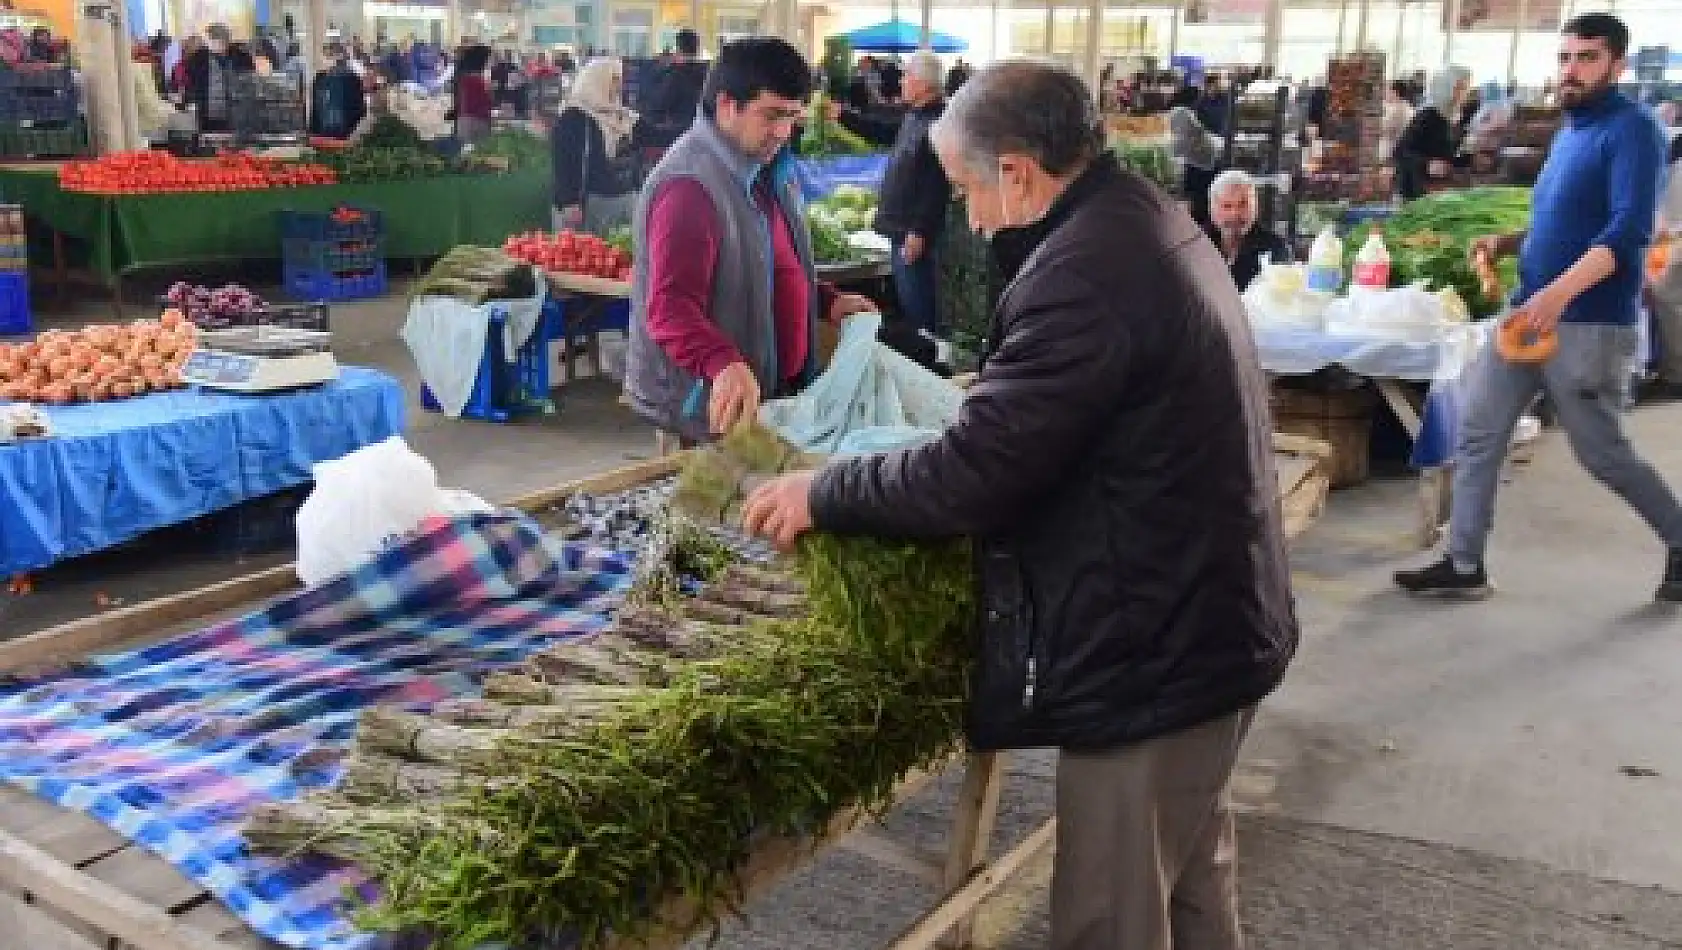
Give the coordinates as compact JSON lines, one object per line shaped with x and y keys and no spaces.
{"x":1325,"y":263}
{"x":1372,"y":263}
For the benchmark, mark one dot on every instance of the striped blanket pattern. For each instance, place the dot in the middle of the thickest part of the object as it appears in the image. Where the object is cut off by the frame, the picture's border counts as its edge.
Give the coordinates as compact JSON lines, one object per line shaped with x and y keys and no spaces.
{"x":173,"y":744}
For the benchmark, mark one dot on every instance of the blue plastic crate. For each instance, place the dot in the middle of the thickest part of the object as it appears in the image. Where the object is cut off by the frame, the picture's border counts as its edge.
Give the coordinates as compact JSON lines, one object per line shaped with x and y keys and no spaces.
{"x":15,"y":315}
{"x":335,"y":256}
{"x":327,"y":285}
{"x":505,"y":389}
{"x":320,"y":226}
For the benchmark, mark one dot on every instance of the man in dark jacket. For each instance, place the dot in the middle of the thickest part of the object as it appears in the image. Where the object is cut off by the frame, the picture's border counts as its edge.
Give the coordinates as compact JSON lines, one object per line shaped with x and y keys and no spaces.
{"x":1113,"y":464}
{"x":210,"y":77}
{"x":1232,"y":225}
{"x":678,"y":96}
{"x":911,"y":207}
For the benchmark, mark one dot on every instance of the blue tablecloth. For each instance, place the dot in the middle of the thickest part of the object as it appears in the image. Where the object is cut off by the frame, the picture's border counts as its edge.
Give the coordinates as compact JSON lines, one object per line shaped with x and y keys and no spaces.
{"x":115,"y":470}
{"x":819,"y":177}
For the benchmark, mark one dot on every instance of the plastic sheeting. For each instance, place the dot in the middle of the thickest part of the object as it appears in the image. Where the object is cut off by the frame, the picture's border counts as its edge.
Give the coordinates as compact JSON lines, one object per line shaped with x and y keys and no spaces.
{"x":870,"y":399}
{"x":447,"y":339}
{"x":1297,"y":352}
{"x":115,"y":470}
{"x":819,"y":177}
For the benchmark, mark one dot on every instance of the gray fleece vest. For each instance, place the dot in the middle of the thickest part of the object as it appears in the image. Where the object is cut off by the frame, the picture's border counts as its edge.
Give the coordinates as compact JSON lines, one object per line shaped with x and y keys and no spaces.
{"x":740,"y":305}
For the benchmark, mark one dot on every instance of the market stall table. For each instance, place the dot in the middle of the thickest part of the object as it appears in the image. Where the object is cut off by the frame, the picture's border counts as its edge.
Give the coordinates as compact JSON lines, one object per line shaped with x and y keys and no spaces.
{"x":112,"y":471}
{"x":74,"y":876}
{"x":1389,"y":363}
{"x":125,"y":234}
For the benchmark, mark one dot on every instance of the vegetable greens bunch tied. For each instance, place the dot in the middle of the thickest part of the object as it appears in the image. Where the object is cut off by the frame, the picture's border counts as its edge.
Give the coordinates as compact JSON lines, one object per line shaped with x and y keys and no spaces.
{"x":615,"y":779}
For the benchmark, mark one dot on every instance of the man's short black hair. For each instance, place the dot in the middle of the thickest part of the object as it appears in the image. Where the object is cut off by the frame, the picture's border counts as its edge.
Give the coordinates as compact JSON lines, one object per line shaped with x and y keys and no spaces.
{"x":753,"y":65}
{"x":1600,"y":26}
{"x":688,"y":43}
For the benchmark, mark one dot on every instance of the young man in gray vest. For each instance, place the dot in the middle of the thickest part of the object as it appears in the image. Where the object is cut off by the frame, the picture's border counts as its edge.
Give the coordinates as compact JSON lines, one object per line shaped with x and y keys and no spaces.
{"x":724,"y":300}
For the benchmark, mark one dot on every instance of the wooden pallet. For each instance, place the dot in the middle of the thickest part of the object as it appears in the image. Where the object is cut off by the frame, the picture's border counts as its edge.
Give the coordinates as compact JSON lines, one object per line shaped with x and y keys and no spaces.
{"x":67,"y":882}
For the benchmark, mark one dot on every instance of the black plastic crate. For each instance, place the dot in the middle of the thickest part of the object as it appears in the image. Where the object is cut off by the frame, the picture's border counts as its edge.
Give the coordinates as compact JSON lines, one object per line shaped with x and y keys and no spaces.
{"x":255,"y":526}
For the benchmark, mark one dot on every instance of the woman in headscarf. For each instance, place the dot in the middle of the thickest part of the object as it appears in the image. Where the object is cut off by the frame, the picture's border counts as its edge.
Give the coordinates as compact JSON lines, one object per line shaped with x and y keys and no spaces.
{"x":1429,"y":144}
{"x":594,"y":142}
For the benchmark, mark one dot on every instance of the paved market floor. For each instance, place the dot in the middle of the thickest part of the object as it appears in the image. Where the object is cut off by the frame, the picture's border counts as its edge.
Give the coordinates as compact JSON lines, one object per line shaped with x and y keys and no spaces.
{"x":1500,"y":775}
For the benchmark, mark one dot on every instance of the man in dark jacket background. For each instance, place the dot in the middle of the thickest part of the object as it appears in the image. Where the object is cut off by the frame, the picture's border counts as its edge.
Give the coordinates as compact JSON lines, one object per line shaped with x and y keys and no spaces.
{"x":678,"y":96}
{"x":911,"y":207}
{"x":1113,"y":464}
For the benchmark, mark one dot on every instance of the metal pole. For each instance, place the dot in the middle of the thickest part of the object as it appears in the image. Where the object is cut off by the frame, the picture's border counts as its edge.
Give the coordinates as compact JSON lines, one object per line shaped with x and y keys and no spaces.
{"x":315,"y":33}
{"x":1449,"y":30}
{"x":993,"y":32}
{"x":928,"y":24}
{"x":1342,"y":23}
{"x":1272,"y":29}
{"x":1095,"y":46}
{"x":1361,"y":25}
{"x":1519,"y":18}
{"x":130,"y":110}
{"x":1050,"y":25}
{"x":1174,"y":31}
{"x":1401,"y":30}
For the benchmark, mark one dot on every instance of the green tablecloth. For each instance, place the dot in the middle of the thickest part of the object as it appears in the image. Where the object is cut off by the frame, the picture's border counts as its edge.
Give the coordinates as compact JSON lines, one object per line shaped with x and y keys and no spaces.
{"x":423,"y":218}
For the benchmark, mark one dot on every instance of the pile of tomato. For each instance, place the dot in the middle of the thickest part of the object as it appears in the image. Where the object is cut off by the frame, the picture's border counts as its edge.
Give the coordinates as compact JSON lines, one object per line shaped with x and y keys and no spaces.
{"x":151,"y":173}
{"x":570,"y":253}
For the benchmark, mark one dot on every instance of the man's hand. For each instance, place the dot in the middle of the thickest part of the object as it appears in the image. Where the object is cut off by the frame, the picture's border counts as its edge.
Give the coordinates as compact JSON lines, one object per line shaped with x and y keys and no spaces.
{"x":780,"y":509}
{"x":832,"y":110}
{"x":1542,"y":312}
{"x":572,"y":216}
{"x":1436,"y":168}
{"x":735,"y":398}
{"x":846,"y":305}
{"x":1487,"y":246}
{"x":912,"y":249}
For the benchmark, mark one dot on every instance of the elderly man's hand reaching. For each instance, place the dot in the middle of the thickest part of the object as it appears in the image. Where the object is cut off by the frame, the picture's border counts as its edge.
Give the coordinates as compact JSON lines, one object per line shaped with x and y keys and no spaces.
{"x":781,"y":509}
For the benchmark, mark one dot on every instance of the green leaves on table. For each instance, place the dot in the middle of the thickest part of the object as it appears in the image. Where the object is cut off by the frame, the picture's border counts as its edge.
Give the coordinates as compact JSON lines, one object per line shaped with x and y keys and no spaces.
{"x":1429,"y":237}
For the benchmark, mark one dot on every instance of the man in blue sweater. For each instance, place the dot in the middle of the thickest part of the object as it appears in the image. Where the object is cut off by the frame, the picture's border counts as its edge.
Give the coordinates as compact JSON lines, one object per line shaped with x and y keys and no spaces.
{"x":1580,"y":273}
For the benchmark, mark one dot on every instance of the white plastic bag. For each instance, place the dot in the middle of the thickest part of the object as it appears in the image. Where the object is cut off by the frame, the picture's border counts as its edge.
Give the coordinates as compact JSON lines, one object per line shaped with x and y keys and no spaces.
{"x":870,"y":399}
{"x":364,"y":503}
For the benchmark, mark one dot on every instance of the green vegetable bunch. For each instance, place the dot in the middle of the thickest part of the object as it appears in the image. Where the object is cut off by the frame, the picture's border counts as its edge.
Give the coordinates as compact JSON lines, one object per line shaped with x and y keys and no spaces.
{"x":799,"y":716}
{"x":523,"y":150}
{"x":1152,"y":161}
{"x":1429,"y":237}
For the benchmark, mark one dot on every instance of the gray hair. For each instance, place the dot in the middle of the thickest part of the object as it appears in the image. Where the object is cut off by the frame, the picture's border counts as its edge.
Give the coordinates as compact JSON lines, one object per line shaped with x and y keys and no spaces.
{"x":1231,"y":178}
{"x":925,"y":65}
{"x":1023,"y":107}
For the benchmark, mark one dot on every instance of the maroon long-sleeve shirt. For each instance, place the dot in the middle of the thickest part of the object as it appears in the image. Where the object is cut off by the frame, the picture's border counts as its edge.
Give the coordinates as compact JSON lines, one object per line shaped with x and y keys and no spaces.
{"x":683,"y":243}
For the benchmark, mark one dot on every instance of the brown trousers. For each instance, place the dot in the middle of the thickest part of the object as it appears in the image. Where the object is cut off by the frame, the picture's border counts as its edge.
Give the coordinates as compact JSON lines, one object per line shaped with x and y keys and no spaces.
{"x":1145,"y":844}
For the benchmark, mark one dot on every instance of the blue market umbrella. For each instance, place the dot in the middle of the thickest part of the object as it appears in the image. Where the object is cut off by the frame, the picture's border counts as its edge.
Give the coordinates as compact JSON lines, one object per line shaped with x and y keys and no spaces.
{"x":898,"y":36}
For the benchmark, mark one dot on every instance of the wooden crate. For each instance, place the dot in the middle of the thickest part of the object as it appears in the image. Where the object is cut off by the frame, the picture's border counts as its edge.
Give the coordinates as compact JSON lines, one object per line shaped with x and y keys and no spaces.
{"x":1340,"y":418}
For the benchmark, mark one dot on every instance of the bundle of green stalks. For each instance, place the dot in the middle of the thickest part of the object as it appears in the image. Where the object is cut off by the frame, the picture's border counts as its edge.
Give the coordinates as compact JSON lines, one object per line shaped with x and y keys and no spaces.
{"x":611,"y":774}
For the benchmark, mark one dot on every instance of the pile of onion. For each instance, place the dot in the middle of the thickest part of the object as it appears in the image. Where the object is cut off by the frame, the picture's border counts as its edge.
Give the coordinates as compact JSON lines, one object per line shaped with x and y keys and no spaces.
{"x":98,"y":363}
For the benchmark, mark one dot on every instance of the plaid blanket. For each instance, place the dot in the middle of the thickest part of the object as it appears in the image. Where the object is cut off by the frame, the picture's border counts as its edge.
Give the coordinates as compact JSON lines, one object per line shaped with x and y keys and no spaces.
{"x":173,"y":744}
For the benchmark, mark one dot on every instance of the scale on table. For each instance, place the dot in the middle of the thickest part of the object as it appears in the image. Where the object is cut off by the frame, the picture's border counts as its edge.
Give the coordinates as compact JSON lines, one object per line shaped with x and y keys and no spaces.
{"x":261,"y":359}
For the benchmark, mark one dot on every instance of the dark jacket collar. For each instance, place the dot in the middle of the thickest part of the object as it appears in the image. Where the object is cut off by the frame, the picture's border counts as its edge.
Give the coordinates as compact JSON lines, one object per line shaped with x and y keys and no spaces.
{"x":1012,"y":247}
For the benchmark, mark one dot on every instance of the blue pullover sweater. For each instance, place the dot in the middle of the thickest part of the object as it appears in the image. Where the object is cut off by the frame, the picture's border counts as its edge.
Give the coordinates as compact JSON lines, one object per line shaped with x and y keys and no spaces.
{"x":1599,"y":187}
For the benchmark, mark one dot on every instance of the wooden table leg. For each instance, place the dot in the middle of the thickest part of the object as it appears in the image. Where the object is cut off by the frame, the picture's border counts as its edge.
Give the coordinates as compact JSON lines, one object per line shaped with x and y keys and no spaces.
{"x":972,"y":834}
{"x":1433,"y":482}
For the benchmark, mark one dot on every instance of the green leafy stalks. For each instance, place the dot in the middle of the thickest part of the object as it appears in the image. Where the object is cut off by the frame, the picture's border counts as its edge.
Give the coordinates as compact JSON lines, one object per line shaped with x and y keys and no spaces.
{"x":1429,"y":237}
{"x":667,"y":792}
